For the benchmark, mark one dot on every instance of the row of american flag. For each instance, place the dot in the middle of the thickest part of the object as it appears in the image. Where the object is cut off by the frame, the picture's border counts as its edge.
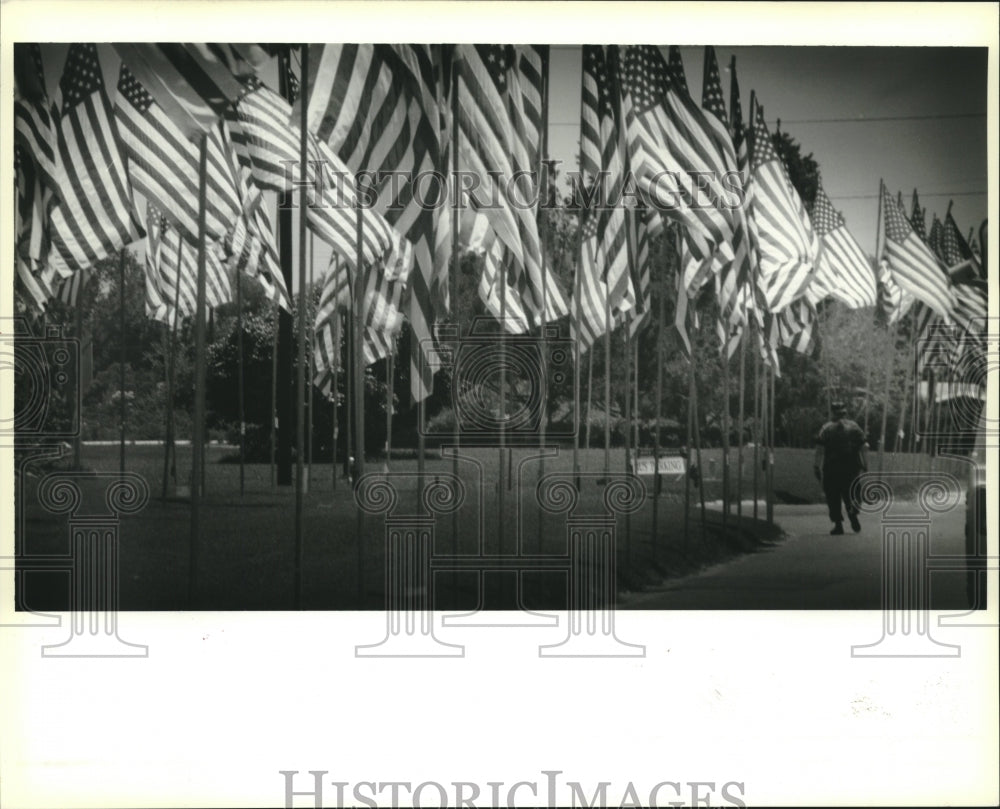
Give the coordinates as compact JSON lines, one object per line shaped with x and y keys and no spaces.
{"x":421,"y":110}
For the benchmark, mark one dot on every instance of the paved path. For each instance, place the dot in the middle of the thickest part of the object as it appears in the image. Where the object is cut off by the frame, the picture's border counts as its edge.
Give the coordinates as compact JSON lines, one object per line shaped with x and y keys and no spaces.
{"x":809,"y":569}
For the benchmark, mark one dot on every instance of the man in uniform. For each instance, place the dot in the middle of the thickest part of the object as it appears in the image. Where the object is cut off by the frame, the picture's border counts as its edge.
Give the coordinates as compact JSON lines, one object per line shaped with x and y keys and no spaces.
{"x":841,"y":455}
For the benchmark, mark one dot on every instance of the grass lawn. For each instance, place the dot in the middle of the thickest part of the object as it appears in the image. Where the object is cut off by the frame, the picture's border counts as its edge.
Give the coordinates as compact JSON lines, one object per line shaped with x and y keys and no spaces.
{"x":246,"y":554}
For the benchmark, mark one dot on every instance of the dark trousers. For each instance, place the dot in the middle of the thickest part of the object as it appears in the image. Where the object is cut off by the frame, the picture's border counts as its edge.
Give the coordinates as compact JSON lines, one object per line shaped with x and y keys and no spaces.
{"x":837,"y":488}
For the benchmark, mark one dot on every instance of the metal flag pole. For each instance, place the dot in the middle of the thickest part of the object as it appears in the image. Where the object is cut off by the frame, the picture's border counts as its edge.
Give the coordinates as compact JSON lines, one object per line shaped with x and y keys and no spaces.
{"x":756,"y":415}
{"x":501,"y":482}
{"x":607,"y":382}
{"x":335,"y":391}
{"x":693,"y":405}
{"x":453,"y":293}
{"x":285,"y":392}
{"x":300,"y":371}
{"x":121,"y":359}
{"x":725,"y":430}
{"x":578,"y":287}
{"x":312,"y":342}
{"x":239,"y":374}
{"x":359,"y":393}
{"x":542,"y":188}
{"x":198,"y":436}
{"x":739,"y":432}
{"x":389,"y":396}
{"x":274,"y":395}
{"x":661,"y":305}
{"x":771,"y":444}
{"x":590,"y":391}
{"x":169,"y":448}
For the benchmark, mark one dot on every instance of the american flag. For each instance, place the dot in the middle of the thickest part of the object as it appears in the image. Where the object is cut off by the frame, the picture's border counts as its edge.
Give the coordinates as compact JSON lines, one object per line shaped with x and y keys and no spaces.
{"x":195,"y":84}
{"x":604,"y":171}
{"x":376,"y":106}
{"x":95,"y":213}
{"x":588,"y":319}
{"x":493,"y":136}
{"x":648,"y":225}
{"x":913,"y":265}
{"x":843,"y":270}
{"x":29,"y":228}
{"x":918,"y":219}
{"x":892,"y":301}
{"x":326,"y":354}
{"x":797,"y":326}
{"x":164,"y":164}
{"x":735,"y":275}
{"x":34,"y":118}
{"x":785,"y":238}
{"x":669,"y":141}
{"x":955,"y":249}
{"x":935,"y":239}
{"x":176,"y":268}
{"x":159,"y":299}
{"x":267,"y":142}
{"x":736,"y":113}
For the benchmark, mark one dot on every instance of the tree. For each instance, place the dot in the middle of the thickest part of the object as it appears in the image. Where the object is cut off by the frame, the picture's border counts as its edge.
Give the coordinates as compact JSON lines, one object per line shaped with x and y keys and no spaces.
{"x":803,"y":170}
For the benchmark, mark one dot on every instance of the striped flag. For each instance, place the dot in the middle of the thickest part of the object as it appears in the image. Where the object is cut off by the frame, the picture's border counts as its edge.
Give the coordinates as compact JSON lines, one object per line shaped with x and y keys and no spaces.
{"x":935,"y":239}
{"x":195,"y":84}
{"x":797,"y":326}
{"x":95,"y":214}
{"x":588,"y":310}
{"x":29,"y":229}
{"x":648,"y":226}
{"x":785,"y":237}
{"x":493,"y":143}
{"x":736,"y":114}
{"x":893,"y":302}
{"x":34,"y":117}
{"x":604,"y":171}
{"x":669,"y":143}
{"x":913,"y":265}
{"x":268,"y":144}
{"x":918,"y":218}
{"x":159,"y":299}
{"x":326,"y":354}
{"x":735,"y":274}
{"x":164,"y":164}
{"x":958,"y":256}
{"x":376,"y":107}
{"x":843,"y":271}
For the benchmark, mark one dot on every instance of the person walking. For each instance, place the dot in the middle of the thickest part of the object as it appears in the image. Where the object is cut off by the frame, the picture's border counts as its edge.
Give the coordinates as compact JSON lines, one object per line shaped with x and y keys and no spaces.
{"x":841,"y":455}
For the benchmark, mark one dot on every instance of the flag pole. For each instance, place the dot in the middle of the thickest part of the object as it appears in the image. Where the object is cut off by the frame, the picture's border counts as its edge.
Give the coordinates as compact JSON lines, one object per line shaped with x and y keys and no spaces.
{"x":503,"y":408}
{"x":359,"y":393}
{"x":543,"y":187}
{"x":578,"y":288}
{"x":335,"y":389}
{"x":169,"y":449}
{"x":661,"y":305}
{"x":696,"y":418}
{"x":590,"y":390}
{"x":725,"y":430}
{"x":607,"y":383}
{"x":239,"y":373}
{"x":198,"y":436}
{"x":274,"y":394}
{"x":285,"y":400}
{"x":770,"y":457}
{"x":756,"y":415}
{"x":78,"y":439}
{"x":890,"y":367}
{"x":739,"y":432}
{"x":312,"y":342}
{"x":389,"y":386}
{"x":300,"y":372}
{"x":121,"y":360}
{"x":453,"y":294}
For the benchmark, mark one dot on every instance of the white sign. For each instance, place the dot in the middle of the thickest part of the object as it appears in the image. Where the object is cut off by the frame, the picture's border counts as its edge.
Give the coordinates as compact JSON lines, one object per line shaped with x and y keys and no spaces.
{"x":668,"y":466}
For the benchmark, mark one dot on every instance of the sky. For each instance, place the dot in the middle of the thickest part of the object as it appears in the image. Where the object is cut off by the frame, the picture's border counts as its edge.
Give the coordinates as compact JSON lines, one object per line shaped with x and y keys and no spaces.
{"x":831,"y":100}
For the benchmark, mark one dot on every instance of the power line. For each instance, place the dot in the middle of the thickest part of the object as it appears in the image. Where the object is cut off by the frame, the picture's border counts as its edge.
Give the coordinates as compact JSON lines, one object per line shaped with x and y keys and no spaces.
{"x":857,"y":120}
{"x":922,"y":194}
